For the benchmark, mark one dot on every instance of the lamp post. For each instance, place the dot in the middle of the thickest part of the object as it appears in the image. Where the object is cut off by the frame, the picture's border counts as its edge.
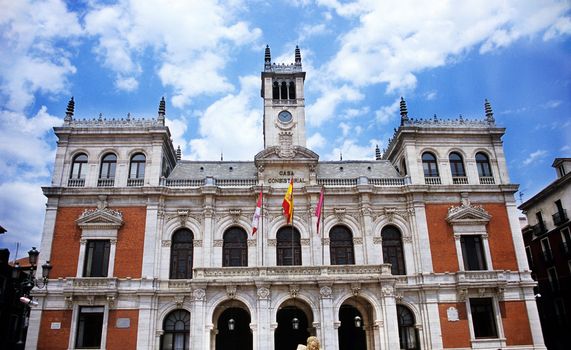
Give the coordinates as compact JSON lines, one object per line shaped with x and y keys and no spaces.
{"x":25,"y":284}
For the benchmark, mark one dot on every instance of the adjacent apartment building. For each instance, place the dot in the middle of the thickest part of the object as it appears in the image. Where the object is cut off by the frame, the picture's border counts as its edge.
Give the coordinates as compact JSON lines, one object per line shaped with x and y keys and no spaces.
{"x":548,"y":247}
{"x":419,"y":248}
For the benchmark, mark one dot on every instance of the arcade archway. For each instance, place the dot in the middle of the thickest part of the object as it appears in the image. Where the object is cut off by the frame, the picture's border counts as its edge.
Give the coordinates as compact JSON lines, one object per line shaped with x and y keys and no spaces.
{"x":233,"y":327}
{"x":295,"y":325}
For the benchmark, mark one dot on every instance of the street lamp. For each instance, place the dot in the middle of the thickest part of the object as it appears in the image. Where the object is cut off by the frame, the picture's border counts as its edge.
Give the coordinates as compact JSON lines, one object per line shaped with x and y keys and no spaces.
{"x":295,"y":323}
{"x":357,"y":320}
{"x":25,"y":285}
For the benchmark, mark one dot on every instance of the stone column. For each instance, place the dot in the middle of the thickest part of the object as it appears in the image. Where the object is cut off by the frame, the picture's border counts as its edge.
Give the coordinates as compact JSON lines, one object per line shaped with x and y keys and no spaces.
{"x":264,"y":333}
{"x":147,"y":334}
{"x":420,"y":223}
{"x":150,"y":250}
{"x":329,"y":339}
{"x":388,"y":302}
{"x":198,"y":320}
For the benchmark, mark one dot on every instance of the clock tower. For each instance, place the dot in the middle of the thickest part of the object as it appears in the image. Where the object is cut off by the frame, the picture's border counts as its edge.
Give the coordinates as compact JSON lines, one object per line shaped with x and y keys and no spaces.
{"x":284,"y":103}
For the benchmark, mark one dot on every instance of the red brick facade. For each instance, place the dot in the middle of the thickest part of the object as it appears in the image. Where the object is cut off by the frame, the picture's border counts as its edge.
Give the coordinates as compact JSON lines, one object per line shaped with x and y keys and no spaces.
{"x":455,"y":334}
{"x":55,"y":339}
{"x":516,"y":323}
{"x":122,"y":338}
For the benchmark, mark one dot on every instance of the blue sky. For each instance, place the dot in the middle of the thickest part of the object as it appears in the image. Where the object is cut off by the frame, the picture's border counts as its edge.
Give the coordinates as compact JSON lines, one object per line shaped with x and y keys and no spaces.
{"x":205,"y":57}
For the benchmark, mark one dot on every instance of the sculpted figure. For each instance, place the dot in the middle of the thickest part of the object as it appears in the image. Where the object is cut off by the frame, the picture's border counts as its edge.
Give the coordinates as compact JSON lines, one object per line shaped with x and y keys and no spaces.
{"x":312,"y":344}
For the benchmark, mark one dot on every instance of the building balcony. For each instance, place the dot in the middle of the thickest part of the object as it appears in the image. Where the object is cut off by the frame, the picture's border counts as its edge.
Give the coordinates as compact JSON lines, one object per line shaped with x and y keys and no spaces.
{"x":76,"y":183}
{"x":459,"y":180}
{"x":432,"y":180}
{"x":105,"y":182}
{"x":487,"y":180}
{"x":560,"y":217}
{"x":537,"y":229}
{"x":135,"y":182}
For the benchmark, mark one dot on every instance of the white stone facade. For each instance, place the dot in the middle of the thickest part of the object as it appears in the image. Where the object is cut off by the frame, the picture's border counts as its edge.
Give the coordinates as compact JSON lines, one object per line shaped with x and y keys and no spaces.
{"x":209,"y":198}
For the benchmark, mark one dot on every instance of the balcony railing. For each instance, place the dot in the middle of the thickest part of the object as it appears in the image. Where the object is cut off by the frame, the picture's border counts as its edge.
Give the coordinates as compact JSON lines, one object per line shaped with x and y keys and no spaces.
{"x":182,"y":182}
{"x":387,"y":181}
{"x":75,"y":182}
{"x":135,"y":182}
{"x":459,"y":180}
{"x":337,"y":182}
{"x":538,"y":229}
{"x":487,"y":180}
{"x":105,"y":182}
{"x":560,"y":217}
{"x":433,"y":180}
{"x":236,"y":182}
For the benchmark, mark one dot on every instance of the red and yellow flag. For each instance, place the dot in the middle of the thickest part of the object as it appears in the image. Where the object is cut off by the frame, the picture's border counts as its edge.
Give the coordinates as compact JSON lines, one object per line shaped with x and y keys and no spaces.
{"x":287,"y":204}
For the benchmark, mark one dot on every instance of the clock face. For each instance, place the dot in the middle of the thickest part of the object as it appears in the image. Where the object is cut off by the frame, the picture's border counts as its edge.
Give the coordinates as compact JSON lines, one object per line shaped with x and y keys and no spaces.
{"x":285,"y":117}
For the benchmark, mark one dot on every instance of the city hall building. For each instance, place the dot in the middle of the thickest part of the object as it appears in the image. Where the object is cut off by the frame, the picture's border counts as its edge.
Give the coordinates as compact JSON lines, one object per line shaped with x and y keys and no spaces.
{"x":419,"y":248}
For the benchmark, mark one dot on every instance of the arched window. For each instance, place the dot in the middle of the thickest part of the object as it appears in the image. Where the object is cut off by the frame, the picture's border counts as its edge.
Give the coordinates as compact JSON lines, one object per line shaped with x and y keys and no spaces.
{"x":283,"y":91}
{"x":176,"y":328}
{"x":456,"y":165}
{"x":276,"y":90}
{"x":292,"y":90}
{"x":288,"y":244}
{"x":429,"y":165}
{"x":483,"y":164}
{"x":408,"y":335}
{"x":341,"y":246}
{"x":78,"y":170}
{"x":235,"y":247}
{"x":108,"y":166}
{"x":181,"y":254}
{"x":392,"y":250}
{"x":137,"y":166}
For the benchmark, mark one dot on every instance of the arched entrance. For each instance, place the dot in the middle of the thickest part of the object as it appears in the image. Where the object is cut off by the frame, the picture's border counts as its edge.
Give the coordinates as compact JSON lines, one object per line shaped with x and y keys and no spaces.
{"x":356,"y":331}
{"x":234,"y":331}
{"x":295,"y":321}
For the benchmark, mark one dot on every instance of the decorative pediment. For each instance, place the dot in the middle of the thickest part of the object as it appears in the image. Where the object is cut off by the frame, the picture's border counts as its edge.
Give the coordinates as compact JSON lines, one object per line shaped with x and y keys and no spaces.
{"x":468,"y":214}
{"x":275,"y":153}
{"x":100,"y":218}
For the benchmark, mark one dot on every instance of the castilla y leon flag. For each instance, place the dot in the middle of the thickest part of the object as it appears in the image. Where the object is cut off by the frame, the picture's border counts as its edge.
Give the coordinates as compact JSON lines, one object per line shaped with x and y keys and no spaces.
{"x":287,"y":204}
{"x":256,"y":218}
{"x":318,"y":208}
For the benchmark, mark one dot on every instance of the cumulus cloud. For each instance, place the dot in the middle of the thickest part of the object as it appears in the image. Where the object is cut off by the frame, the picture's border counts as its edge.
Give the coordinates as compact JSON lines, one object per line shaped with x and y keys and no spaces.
{"x":232,"y":125}
{"x":394,"y":41}
{"x":325,"y":106}
{"x":194,"y":40}
{"x":385,"y":114}
{"x":535,"y":156}
{"x":316,"y":141}
{"x":350,"y":149}
{"x":32,"y":57}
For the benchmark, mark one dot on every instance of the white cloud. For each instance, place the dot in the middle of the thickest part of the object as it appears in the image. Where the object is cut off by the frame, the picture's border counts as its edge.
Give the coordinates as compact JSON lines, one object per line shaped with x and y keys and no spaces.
{"x":194,"y":40}
{"x":552,"y":104}
{"x":353,"y":151}
{"x":386,"y":114}
{"x":232,"y":125}
{"x":31,"y":55}
{"x":324,"y":107}
{"x":25,"y":151}
{"x":22,"y":210}
{"x":394,"y":41}
{"x":316,"y":141}
{"x":535,"y":156}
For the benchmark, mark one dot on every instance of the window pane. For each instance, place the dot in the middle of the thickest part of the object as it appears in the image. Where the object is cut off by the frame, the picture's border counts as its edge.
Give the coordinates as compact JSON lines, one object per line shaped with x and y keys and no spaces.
{"x":288,"y":245}
{"x":341,"y":246}
{"x":96,"y":258}
{"x":473,"y":253}
{"x":235,"y":247}
{"x":483,"y":318}
{"x":89,"y":327}
{"x":393,"y":250}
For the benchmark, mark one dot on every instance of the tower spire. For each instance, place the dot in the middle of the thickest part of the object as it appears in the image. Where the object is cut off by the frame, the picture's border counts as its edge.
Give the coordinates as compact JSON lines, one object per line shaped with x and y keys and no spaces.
{"x":178,"y":153}
{"x":162,"y":110}
{"x":69,"y":111}
{"x":489,"y":113}
{"x":377,"y":153}
{"x":403,"y":112}
{"x":297,"y":56}
{"x":267,"y":58}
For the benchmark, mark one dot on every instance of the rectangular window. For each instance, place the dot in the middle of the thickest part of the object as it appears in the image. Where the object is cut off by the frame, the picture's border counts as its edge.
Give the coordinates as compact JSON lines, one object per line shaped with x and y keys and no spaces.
{"x":553,"y":280}
{"x":89,"y":327}
{"x":560,"y":313}
{"x":96,"y":258}
{"x":546,"y":249}
{"x":565,"y":240}
{"x":540,"y":223}
{"x":483,"y":318}
{"x":529,"y":257}
{"x":473,"y":253}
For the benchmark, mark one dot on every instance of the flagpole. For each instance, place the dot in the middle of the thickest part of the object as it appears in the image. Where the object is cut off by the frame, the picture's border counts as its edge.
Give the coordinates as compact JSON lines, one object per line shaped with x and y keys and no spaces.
{"x":292,"y":206}
{"x":322,"y":228}
{"x":262,"y":226}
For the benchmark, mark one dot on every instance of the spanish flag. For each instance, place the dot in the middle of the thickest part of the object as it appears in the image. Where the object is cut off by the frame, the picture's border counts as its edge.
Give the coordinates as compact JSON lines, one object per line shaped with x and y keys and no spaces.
{"x":287,"y":204}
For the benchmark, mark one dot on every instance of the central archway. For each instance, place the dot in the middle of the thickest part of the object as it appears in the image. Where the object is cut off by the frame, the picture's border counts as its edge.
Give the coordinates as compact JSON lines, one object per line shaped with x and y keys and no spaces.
{"x":234,"y":331}
{"x":295,"y":325}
